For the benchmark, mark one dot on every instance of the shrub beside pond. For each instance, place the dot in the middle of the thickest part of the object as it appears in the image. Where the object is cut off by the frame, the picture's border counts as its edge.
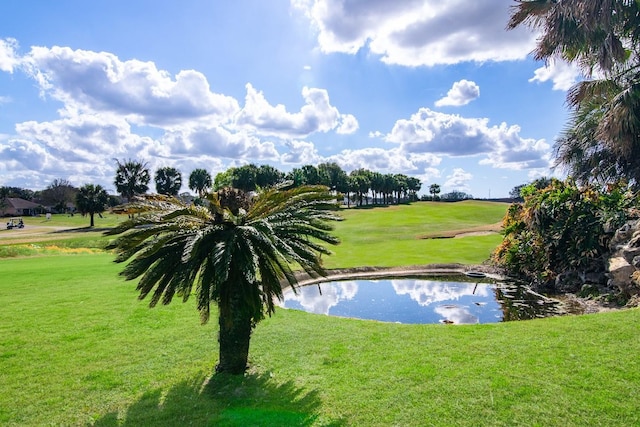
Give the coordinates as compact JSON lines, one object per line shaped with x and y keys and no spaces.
{"x":560,"y":238}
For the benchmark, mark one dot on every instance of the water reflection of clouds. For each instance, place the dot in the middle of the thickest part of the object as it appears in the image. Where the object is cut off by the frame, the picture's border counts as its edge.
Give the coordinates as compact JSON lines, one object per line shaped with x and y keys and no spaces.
{"x":312,"y":301}
{"x":426,"y":292}
{"x":456,"y":314}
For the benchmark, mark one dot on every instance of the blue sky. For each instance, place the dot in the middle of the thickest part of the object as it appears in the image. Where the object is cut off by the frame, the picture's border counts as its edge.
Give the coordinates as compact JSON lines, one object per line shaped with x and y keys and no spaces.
{"x":431,"y":89}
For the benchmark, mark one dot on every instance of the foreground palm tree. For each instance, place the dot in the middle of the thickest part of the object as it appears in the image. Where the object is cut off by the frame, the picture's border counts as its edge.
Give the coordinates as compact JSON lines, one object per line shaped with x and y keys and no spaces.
{"x":237,"y":252}
{"x":601,"y":142}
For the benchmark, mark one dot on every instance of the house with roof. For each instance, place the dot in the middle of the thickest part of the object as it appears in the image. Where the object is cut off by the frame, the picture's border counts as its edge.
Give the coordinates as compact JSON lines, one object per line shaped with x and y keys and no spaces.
{"x":14,"y":206}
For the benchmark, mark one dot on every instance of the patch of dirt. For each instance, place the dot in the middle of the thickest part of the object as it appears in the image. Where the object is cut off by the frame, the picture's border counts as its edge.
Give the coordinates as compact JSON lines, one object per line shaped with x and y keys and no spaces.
{"x":481,"y":230}
{"x":573,"y":304}
{"x":40,"y":233}
{"x":26,"y":234}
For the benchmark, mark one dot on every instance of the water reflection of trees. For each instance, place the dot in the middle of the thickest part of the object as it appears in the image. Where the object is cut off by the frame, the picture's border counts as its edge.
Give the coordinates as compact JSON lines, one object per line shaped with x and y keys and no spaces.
{"x":520,"y":303}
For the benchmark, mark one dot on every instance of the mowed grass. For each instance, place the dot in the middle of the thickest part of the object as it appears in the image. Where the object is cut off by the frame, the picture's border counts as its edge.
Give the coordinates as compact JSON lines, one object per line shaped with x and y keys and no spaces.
{"x":393,"y":235}
{"x":78,"y":348}
{"x":107,"y":219}
{"x":75,"y":343}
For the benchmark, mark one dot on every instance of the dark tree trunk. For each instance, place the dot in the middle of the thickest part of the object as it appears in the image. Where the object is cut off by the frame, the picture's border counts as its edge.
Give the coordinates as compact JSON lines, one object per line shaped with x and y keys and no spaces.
{"x":91,"y":217}
{"x":235,"y":333}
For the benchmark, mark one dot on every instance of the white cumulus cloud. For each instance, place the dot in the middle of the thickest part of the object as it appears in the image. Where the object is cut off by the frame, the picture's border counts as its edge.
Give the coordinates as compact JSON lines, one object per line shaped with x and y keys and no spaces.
{"x":502,"y":146}
{"x":458,"y":180}
{"x":418,"y":32}
{"x":562,"y":74}
{"x":9,"y":59}
{"x":384,"y":160}
{"x":317,"y":115}
{"x":301,"y":152}
{"x":461,"y":93}
{"x":100,"y":81}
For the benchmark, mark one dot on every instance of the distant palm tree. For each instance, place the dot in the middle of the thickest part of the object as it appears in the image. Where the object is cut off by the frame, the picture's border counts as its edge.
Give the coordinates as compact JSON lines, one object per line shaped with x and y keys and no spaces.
{"x":200,"y":181}
{"x":237,"y":252}
{"x":360,"y":183}
{"x":387,"y":187}
{"x":268,"y":176}
{"x":91,"y":199}
{"x":400,"y":186}
{"x":245,"y":177}
{"x":311,"y":175}
{"x":377,"y":185}
{"x":132,"y":178}
{"x":434,"y":189}
{"x":332,"y":175}
{"x":168,"y":181}
{"x":413,"y":186}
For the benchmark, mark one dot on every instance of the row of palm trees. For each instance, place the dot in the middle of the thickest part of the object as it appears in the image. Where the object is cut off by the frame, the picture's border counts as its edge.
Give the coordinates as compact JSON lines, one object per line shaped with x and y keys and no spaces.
{"x":362,"y":186}
{"x":133,"y":177}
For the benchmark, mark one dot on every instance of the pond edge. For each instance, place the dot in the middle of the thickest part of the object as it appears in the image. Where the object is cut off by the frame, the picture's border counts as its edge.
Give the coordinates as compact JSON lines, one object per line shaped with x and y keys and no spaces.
{"x":336,"y":274}
{"x":569,"y":303}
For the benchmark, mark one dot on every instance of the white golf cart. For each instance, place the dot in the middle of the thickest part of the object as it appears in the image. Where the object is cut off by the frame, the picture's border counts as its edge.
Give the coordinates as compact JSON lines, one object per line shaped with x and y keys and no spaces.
{"x":15,"y":223}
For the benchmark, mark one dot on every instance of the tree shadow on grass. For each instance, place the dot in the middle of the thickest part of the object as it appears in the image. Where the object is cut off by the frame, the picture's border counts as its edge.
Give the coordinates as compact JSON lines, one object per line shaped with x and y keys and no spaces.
{"x":224,"y":400}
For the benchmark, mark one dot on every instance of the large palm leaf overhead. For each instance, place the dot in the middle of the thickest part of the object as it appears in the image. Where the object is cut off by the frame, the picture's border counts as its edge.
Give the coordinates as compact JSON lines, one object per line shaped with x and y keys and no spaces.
{"x":236,"y":253}
{"x":603,"y":38}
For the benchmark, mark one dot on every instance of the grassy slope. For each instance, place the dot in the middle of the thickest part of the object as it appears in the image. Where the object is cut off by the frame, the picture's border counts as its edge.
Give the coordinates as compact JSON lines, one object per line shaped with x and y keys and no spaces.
{"x":390,"y":236}
{"x":77,"y":348}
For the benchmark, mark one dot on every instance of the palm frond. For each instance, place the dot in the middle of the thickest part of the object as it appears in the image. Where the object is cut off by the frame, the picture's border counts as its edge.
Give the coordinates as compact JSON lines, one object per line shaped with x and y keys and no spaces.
{"x":530,"y":13}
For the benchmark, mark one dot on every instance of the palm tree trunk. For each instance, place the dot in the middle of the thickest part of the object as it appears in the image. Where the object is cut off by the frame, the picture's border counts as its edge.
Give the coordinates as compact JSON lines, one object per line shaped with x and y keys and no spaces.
{"x":235,"y":333}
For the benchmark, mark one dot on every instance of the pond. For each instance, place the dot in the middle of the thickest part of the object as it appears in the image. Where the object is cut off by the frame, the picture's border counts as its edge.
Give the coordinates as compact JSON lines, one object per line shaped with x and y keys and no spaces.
{"x":421,"y":300}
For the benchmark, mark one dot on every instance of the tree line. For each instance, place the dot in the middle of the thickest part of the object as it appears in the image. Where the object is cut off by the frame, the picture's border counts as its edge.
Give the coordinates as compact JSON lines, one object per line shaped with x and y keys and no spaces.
{"x":132,"y":178}
{"x":361,"y":186}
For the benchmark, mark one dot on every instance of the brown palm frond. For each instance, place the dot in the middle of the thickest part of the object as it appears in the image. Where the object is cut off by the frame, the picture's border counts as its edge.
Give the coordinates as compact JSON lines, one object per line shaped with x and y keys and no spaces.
{"x":531,"y":13}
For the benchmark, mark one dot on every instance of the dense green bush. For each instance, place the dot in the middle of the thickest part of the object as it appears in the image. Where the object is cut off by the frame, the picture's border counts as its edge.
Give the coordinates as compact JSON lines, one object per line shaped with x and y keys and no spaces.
{"x":560,"y":229}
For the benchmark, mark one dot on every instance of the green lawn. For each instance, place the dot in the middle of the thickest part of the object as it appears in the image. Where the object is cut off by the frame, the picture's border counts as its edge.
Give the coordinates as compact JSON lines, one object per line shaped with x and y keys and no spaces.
{"x":76,"y":221}
{"x":78,"y":348}
{"x":60,"y":234}
{"x":391,"y":236}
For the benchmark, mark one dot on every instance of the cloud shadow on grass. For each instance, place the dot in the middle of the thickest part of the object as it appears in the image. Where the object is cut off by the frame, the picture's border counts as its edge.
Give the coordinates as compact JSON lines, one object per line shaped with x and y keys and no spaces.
{"x":224,"y":400}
